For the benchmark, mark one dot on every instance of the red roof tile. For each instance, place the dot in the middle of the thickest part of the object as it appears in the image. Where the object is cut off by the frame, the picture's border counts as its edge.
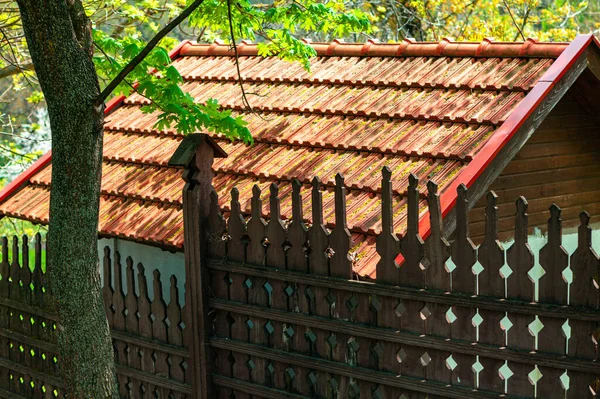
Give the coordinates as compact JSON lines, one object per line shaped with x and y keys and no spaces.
{"x":422,"y":108}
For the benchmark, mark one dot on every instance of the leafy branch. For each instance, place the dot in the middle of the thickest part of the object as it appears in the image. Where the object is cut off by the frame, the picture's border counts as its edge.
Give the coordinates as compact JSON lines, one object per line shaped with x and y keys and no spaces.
{"x":146,"y":51}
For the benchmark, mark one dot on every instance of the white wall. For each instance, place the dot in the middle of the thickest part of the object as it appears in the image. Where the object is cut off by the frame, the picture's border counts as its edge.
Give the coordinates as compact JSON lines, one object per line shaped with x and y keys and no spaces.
{"x":153,"y":258}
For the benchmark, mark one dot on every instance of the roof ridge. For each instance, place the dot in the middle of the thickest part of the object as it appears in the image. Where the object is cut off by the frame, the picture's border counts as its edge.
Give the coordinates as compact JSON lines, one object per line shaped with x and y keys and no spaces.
{"x":487,"y":48}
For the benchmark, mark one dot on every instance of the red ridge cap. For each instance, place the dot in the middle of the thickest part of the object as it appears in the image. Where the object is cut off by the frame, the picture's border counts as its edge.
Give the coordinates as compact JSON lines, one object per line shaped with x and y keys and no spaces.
{"x":487,"y":48}
{"x":507,"y":130}
{"x":45,"y":159}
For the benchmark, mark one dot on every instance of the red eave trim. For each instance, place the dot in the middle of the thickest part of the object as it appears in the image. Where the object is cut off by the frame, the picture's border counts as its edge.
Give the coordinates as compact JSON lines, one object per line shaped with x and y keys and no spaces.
{"x":508,"y":129}
{"x":25,"y":176}
{"x":45,"y":159}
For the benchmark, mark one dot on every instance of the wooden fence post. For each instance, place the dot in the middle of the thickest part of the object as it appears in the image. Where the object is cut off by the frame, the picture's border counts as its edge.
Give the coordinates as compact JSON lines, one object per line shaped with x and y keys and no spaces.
{"x":196,"y":154}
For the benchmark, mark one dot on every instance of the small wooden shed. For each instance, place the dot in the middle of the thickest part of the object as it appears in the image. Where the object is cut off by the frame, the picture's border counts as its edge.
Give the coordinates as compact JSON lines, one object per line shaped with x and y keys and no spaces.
{"x":518,"y":118}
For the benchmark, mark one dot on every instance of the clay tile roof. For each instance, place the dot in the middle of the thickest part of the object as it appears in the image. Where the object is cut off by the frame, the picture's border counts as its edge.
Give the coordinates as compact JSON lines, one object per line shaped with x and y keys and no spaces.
{"x":432,"y":109}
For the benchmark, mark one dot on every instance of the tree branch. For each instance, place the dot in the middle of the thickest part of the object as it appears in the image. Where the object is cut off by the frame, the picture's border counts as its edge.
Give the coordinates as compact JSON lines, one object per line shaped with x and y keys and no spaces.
{"x":520,"y":32}
{"x":14,"y":69}
{"x":149,"y":47}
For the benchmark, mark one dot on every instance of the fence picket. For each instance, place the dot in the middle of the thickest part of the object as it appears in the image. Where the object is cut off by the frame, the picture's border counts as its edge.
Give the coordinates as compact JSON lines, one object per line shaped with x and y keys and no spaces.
{"x":520,"y":259}
{"x":339,"y":239}
{"x":256,"y":230}
{"x":585,"y":268}
{"x":297,"y":232}
{"x":491,"y":283}
{"x":412,"y":246}
{"x":276,"y":232}
{"x":554,"y":259}
{"x":236,"y":227}
{"x":388,"y":245}
{"x":464,"y":256}
{"x":107,"y":290}
{"x":318,"y":234}
{"x":216,"y":228}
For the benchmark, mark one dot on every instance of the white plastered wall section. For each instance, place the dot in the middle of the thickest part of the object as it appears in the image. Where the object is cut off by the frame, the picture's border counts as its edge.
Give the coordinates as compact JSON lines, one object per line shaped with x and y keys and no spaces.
{"x":153,"y":258}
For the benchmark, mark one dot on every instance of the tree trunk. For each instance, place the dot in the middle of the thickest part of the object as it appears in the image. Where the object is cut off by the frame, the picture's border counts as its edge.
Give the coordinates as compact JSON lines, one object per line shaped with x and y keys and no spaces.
{"x":58,"y":35}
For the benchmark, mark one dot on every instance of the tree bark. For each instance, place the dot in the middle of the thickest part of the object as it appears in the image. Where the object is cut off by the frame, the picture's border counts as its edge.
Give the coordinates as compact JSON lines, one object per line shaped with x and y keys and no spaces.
{"x":58,"y":35}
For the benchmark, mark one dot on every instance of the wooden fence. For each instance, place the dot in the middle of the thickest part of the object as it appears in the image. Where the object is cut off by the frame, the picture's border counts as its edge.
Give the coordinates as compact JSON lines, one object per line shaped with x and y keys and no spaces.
{"x":149,"y":336}
{"x":290,"y":322}
{"x":273,"y":309}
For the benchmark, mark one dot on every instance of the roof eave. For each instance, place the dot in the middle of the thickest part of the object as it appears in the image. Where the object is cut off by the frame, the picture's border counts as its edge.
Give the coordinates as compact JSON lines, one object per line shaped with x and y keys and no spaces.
{"x":22,"y":180}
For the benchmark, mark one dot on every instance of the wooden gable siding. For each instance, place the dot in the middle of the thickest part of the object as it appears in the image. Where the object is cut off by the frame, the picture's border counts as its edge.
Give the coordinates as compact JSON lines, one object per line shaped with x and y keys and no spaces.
{"x":559,"y":164}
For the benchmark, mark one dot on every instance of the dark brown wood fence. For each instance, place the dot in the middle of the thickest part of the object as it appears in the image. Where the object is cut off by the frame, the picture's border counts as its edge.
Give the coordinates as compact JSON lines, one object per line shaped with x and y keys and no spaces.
{"x":273,"y":309}
{"x":149,"y":336}
{"x":289,"y":320}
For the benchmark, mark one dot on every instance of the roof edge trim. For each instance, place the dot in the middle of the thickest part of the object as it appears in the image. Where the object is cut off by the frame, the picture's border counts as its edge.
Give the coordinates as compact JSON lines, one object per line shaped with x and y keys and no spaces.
{"x":45,"y":159}
{"x":510,"y":127}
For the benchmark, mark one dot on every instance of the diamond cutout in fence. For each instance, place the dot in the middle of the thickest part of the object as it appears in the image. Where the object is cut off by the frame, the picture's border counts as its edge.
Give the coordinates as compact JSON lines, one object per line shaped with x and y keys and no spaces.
{"x":567,"y":275}
{"x":477,"y":367}
{"x":248,"y":283}
{"x":477,"y":320}
{"x":377,"y":393}
{"x":310,"y":295}
{"x":401,"y":355}
{"x":506,"y":324}
{"x":449,"y":266}
{"x":425,"y":313}
{"x":375,"y":303}
{"x":400,"y":309}
{"x":505,"y":372}
{"x":332,"y":341}
{"x":331,"y":299}
{"x":450,"y":316}
{"x":566,"y":329}
{"x":376,"y":351}
{"x":269,"y":329}
{"x":505,"y":271}
{"x":249,"y":324}
{"x":289,"y":291}
{"x":290,"y":373}
{"x":268,"y":288}
{"x":534,"y":375}
{"x":536,"y":272}
{"x":353,"y":390}
{"x":535,"y":327}
{"x":270,"y":369}
{"x":335,"y":385}
{"x":227,"y":279}
{"x":565,"y":380}
{"x":289,"y":332}
{"x":353,"y":345}
{"x":250,"y":364}
{"x":477,"y":268}
{"x":352,"y":303}
{"x":425,"y":359}
{"x":451,"y":363}
{"x":312,"y":379}
{"x":310,"y":337}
